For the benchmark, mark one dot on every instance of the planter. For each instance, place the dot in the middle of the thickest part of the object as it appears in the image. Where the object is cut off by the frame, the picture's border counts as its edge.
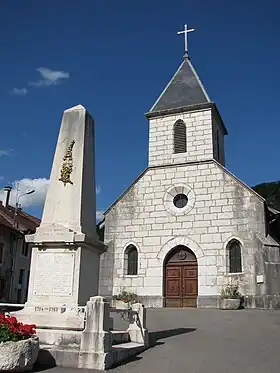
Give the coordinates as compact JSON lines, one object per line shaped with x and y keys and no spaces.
{"x":19,"y":356}
{"x":230,"y":304}
{"x":121,"y":304}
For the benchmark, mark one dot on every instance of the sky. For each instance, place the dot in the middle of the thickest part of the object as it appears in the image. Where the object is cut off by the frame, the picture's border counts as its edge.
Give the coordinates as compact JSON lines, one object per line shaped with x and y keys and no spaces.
{"x":115,"y":58}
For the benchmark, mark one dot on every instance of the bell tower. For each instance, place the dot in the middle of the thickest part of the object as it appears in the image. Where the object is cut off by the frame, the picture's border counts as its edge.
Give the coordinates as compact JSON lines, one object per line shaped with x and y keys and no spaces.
{"x":184,"y":124}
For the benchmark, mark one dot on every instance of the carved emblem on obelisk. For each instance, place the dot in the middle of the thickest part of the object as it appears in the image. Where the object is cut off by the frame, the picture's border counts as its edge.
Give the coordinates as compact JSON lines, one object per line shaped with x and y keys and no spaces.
{"x":67,"y":165}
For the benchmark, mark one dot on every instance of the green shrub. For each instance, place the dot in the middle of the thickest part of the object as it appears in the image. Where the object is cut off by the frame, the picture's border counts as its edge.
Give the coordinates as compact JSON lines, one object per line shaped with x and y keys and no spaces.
{"x":230,"y":292}
{"x":126,"y":297}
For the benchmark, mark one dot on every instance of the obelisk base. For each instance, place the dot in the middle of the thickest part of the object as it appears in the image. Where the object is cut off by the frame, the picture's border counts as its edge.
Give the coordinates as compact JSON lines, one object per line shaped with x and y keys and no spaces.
{"x":63,"y":276}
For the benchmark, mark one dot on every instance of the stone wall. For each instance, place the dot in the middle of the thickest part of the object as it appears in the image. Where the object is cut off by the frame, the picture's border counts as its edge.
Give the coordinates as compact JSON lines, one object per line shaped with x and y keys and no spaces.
{"x":107,"y":265}
{"x":267,"y":260}
{"x":218,"y":141}
{"x":220,"y":208}
{"x":199,"y":138}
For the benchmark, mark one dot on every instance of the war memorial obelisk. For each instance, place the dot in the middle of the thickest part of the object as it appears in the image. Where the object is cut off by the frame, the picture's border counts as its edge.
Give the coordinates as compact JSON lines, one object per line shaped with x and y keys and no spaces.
{"x":65,"y":255}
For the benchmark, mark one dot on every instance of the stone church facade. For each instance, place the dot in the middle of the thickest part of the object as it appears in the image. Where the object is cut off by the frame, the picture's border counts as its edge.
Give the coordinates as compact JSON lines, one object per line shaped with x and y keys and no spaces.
{"x":187,"y":226}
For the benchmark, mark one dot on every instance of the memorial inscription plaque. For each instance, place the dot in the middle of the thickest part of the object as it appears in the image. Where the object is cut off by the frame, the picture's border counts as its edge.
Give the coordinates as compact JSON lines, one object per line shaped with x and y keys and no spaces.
{"x":54,"y":274}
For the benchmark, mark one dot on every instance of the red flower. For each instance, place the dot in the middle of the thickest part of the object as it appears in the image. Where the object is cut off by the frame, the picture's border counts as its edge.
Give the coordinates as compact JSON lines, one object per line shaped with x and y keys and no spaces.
{"x":13,"y":329}
{"x":13,"y":320}
{"x":18,"y":329}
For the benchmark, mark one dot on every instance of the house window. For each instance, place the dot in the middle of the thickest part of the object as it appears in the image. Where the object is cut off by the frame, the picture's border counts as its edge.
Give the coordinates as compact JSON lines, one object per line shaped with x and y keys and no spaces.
{"x":235,"y":261}
{"x":21,"y":276}
{"x":24,"y":249}
{"x":1,"y":252}
{"x":131,"y":260}
{"x":2,"y":288}
{"x":180,"y":137}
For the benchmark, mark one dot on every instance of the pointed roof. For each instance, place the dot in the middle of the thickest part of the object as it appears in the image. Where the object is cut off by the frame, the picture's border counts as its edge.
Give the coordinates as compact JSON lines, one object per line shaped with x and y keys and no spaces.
{"x":184,"y":89}
{"x":184,"y":92}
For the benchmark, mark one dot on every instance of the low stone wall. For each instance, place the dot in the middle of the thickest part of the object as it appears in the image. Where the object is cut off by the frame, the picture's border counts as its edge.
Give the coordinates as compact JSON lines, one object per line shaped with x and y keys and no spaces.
{"x":155,"y":301}
{"x":208,"y":301}
{"x":264,"y":301}
{"x":270,"y":302}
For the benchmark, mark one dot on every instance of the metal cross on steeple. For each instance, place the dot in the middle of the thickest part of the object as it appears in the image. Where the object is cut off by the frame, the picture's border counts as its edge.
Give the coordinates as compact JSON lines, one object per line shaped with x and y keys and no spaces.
{"x":186,"y":30}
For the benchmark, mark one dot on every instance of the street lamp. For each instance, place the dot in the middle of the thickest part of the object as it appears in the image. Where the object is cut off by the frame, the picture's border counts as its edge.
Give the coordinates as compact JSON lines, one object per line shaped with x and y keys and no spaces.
{"x":17,"y":202}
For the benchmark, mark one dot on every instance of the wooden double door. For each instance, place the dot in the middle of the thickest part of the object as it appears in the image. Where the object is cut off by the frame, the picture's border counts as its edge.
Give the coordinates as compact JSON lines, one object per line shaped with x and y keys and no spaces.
{"x":181,"y":279}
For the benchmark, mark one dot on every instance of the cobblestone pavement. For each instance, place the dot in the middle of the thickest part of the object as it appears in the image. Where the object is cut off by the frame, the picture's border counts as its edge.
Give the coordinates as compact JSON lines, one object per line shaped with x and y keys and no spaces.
{"x":207,"y":341}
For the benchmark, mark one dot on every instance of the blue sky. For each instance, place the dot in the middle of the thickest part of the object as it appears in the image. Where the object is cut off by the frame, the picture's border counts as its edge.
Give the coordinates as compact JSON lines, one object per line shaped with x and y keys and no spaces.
{"x":115,"y":58}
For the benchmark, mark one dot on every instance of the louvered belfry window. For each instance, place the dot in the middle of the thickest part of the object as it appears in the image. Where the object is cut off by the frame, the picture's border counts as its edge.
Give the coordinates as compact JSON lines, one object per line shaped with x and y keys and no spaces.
{"x":180,"y":138}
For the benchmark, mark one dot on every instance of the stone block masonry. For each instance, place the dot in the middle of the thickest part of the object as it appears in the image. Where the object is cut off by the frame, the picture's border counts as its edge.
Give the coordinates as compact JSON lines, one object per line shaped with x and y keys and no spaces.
{"x":199,"y":138}
{"x":223,"y":208}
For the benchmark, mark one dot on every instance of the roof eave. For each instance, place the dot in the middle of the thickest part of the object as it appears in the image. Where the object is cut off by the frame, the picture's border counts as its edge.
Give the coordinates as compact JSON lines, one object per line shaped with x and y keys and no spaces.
{"x":13,"y":229}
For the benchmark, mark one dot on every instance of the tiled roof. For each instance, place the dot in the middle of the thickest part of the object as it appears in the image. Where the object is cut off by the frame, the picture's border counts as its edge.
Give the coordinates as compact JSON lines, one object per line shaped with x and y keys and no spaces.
{"x":22,"y":223}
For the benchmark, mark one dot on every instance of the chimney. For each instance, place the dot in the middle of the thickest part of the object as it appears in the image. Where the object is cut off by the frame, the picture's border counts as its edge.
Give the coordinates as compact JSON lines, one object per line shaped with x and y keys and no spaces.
{"x":7,"y":192}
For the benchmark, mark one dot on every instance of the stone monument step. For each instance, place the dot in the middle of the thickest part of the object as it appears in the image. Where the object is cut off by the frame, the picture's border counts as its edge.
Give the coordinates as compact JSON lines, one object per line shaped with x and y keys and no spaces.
{"x":128,"y":345}
{"x":123,"y":351}
{"x":120,"y":336}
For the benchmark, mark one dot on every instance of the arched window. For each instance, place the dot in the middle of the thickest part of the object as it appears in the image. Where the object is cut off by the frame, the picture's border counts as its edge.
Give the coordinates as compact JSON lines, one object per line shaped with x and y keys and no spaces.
{"x":131,"y":260}
{"x":234,"y":254}
{"x":180,"y":137}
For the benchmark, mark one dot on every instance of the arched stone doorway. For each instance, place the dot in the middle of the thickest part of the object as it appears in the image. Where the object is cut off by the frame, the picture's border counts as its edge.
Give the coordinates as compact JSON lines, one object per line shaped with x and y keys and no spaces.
{"x":180,"y":278}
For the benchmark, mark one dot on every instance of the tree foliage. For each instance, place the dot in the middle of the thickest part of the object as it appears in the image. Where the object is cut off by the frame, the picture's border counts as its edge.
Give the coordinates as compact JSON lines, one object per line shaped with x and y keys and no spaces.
{"x":271,"y":192}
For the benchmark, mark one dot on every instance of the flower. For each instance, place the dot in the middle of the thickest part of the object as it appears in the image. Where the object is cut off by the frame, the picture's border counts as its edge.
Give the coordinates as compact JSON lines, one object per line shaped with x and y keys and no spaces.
{"x":13,"y":330}
{"x":13,"y":320}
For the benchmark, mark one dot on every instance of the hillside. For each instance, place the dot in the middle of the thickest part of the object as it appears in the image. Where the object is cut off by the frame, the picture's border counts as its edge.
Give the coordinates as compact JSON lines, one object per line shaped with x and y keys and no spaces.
{"x":271,"y":192}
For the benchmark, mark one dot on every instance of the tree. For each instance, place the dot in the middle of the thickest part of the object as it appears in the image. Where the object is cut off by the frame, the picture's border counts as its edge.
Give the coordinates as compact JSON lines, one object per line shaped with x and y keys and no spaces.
{"x":271,"y":192}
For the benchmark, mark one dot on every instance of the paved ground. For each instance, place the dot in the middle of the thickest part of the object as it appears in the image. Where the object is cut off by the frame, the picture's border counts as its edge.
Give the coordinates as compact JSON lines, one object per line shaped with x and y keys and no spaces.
{"x":208,"y":341}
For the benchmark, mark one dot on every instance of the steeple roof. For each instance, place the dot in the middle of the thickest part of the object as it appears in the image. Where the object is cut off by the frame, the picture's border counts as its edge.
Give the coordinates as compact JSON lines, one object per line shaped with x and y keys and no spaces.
{"x":184,"y":89}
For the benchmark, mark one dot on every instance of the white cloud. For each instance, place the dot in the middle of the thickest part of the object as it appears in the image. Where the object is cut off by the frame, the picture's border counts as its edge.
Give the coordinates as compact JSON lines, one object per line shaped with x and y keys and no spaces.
{"x":37,"y":198}
{"x":49,"y":77}
{"x":19,"y":91}
{"x":98,"y":189}
{"x":4,"y":152}
{"x":25,"y":185}
{"x":99,"y":215}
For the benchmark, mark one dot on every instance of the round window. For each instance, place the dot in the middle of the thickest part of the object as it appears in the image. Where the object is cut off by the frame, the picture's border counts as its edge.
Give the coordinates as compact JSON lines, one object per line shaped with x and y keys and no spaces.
{"x":180,"y":200}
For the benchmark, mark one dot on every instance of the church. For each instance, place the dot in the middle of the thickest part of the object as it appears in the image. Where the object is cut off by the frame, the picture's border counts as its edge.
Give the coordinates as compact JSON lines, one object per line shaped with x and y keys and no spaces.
{"x":187,"y":227}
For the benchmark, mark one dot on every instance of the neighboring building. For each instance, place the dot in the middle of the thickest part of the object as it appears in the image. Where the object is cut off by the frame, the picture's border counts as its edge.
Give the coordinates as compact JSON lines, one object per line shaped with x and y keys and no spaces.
{"x":15,"y":255}
{"x":187,"y":227}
